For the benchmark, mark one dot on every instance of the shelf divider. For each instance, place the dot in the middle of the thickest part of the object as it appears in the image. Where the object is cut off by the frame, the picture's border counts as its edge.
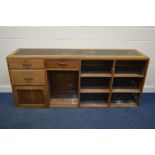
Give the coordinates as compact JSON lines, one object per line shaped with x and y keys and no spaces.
{"x":111,"y":82}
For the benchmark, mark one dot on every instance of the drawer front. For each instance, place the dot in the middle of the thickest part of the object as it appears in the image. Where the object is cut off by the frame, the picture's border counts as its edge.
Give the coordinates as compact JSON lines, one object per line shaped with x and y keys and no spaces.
{"x":63,"y":64}
{"x":26,"y":63}
{"x":25,"y":77}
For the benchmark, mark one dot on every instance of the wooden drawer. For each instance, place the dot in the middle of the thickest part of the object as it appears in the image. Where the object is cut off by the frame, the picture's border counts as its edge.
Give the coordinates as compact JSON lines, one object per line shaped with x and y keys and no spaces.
{"x":26,"y":63}
{"x":27,"y":77}
{"x":63,"y":64}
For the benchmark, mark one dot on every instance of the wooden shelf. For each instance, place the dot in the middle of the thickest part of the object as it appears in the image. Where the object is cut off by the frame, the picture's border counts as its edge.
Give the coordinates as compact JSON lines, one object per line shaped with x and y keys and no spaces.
{"x":95,"y":74}
{"x":93,"y":104}
{"x":94,"y":90}
{"x":64,"y":102}
{"x":128,"y":75}
{"x":124,"y":105}
{"x":127,"y":90}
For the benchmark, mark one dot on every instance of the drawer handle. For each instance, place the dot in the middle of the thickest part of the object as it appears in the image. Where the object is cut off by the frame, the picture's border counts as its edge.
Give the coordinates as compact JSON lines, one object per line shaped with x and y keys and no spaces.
{"x":27,"y":65}
{"x":61,"y":63}
{"x":28,"y":79}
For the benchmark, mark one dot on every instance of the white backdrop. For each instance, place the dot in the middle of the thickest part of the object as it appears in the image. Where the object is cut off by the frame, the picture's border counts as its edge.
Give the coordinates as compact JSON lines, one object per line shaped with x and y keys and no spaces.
{"x":141,"y":38}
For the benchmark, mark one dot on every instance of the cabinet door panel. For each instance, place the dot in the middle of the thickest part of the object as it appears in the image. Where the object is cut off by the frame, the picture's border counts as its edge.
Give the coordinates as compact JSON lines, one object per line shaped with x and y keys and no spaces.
{"x":31,"y":96}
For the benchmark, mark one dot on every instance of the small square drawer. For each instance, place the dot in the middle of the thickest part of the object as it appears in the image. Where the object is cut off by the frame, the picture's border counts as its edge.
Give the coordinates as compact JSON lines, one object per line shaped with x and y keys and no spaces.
{"x":62,"y":64}
{"x":28,"y":77}
{"x":26,"y":63}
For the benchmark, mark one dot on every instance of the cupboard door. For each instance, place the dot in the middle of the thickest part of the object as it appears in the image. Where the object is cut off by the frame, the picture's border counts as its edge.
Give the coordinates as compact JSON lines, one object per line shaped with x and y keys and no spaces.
{"x":30,"y":96}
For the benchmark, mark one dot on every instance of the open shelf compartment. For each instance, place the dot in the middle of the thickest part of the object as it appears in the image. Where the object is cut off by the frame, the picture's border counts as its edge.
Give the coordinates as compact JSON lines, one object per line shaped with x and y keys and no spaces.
{"x":127,"y":84}
{"x":130,"y":68}
{"x":63,"y":88}
{"x":95,"y":84}
{"x":99,"y":68}
{"x":94,"y":99}
{"x":124,"y":99}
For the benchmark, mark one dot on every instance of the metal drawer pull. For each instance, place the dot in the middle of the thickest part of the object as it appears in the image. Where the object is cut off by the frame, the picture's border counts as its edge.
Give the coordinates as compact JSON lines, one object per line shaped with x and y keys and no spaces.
{"x":61,"y":63}
{"x":27,"y":65}
{"x":28,"y":79}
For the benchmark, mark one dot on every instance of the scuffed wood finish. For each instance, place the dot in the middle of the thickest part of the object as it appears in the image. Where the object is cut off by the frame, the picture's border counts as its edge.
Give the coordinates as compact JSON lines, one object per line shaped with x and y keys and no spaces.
{"x":64,"y":102}
{"x":54,"y":77}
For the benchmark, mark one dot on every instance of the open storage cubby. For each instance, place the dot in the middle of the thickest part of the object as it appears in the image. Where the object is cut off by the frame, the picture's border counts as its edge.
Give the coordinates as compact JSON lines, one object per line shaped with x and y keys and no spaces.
{"x":124,"y":99}
{"x":94,"y":99}
{"x":96,"y":68}
{"x":63,"y":88}
{"x":130,"y":68}
{"x":132,"y":84}
{"x":95,"y":83}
